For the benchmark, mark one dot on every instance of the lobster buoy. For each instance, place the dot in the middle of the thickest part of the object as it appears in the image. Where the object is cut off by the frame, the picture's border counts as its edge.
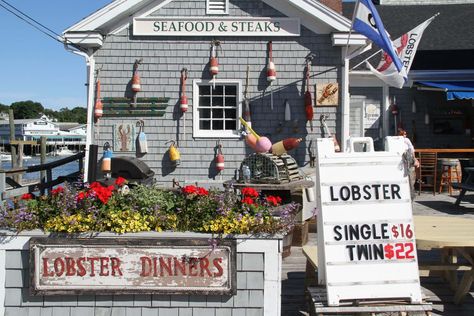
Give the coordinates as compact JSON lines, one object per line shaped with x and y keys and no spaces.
{"x":263,"y":144}
{"x":183,"y":100}
{"x":271,"y":71}
{"x":213,"y":63}
{"x":174,"y":154}
{"x":282,"y":147}
{"x":136,"y":86}
{"x":308,"y":101}
{"x":219,"y":158}
{"x":394,"y":107}
{"x":98,"y":107}
{"x":106,"y":166}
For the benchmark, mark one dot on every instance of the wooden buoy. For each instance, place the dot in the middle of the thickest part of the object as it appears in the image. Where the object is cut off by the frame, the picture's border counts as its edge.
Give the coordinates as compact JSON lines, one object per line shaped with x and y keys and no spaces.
{"x":174,"y":154}
{"x":219,"y":158}
{"x":285,"y":145}
{"x":271,"y":70}
{"x":98,"y":107}
{"x":263,"y":144}
{"x":308,"y":102}
{"x":183,"y":101}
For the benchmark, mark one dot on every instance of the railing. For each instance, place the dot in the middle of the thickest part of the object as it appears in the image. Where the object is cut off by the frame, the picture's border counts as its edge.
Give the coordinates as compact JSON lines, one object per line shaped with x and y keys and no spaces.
{"x":10,"y":188}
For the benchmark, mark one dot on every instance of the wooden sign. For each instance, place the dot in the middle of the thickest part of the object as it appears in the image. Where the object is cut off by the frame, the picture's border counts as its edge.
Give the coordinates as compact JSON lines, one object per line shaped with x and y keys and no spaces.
{"x":366,"y":237}
{"x":327,"y":94}
{"x":119,"y":266}
{"x":223,"y":26}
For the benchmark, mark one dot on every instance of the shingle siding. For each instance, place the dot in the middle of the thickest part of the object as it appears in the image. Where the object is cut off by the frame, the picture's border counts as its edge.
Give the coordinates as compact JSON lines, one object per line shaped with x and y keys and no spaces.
{"x":163,"y":59}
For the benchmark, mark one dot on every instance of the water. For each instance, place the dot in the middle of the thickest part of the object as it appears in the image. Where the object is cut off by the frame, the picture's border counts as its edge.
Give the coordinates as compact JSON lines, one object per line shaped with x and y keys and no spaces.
{"x":58,"y":171}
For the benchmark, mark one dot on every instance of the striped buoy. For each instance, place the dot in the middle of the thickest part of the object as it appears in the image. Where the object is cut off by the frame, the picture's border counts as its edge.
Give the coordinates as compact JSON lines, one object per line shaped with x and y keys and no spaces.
{"x":183,"y":101}
{"x":271,"y":71}
{"x":213,"y":63}
{"x":219,"y":158}
{"x":136,"y":84}
{"x":98,"y":107}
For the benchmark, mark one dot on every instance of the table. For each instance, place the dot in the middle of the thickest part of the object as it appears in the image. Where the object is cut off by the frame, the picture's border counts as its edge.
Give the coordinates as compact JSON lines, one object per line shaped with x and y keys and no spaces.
{"x":453,"y":236}
{"x":466,"y":185}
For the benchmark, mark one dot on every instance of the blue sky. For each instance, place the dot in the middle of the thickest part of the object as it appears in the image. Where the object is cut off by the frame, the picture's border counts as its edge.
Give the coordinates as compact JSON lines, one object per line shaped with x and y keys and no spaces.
{"x":35,"y":67}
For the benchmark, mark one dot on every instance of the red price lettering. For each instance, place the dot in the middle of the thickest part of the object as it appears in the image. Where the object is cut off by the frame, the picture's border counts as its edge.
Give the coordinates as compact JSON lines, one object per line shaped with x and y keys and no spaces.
{"x":405,"y":231}
{"x":399,"y":251}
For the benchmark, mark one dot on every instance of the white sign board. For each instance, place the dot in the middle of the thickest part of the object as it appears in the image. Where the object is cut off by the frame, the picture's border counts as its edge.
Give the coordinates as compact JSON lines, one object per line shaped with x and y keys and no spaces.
{"x":197,"y":26}
{"x":366,"y":239}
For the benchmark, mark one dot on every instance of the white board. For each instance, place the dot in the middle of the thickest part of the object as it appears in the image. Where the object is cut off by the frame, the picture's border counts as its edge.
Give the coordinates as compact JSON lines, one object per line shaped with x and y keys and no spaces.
{"x":366,"y":241}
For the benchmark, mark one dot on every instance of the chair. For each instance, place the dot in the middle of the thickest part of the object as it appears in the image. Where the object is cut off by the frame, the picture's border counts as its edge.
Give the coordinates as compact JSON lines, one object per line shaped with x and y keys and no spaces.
{"x":428,"y":171}
{"x":449,"y":172}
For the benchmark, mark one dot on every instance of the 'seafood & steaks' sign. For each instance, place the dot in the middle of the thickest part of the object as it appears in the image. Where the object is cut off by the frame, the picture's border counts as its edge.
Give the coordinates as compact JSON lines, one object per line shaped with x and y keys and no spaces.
{"x":105,"y":266}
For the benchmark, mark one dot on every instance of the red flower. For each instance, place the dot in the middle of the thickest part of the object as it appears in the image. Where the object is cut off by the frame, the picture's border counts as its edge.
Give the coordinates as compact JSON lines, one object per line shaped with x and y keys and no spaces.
{"x":273,"y":200}
{"x":202,"y":191}
{"x":95,"y":185}
{"x":248,"y":200}
{"x":57,"y":191}
{"x":189,"y":189}
{"x":27,"y":196}
{"x":102,"y":193}
{"x":81,"y":196}
{"x":251,"y":192}
{"x":120,"y":181}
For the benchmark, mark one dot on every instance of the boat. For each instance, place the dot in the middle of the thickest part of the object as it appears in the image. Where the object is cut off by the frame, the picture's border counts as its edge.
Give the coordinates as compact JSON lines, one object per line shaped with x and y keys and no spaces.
{"x":63,"y":151}
{"x":8,"y":157}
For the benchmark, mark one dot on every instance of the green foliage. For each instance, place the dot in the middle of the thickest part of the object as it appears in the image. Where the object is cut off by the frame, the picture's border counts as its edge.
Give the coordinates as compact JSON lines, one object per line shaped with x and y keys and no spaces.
{"x":27,"y":109}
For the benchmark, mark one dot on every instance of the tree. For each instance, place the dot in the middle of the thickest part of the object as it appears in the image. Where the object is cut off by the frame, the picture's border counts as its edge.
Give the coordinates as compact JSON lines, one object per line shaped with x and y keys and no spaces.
{"x":27,"y":109}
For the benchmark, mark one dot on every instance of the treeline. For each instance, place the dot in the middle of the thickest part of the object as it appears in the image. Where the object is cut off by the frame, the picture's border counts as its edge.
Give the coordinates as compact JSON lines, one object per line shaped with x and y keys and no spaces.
{"x":32,"y":110}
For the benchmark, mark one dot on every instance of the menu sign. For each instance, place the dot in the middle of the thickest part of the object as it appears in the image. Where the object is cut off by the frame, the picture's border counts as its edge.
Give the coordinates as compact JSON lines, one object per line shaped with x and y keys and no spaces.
{"x":132,"y":266}
{"x":365,"y":225}
{"x":198,"y":26}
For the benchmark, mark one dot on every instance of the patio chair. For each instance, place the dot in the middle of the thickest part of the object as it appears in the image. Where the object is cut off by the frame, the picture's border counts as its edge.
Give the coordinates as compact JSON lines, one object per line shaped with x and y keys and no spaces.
{"x":427,"y":174}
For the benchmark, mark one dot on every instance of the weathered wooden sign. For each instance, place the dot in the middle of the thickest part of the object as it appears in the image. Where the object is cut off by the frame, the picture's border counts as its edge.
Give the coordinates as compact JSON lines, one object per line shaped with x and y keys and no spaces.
{"x":118,"y":266}
{"x":224,"y":26}
{"x":366,"y":237}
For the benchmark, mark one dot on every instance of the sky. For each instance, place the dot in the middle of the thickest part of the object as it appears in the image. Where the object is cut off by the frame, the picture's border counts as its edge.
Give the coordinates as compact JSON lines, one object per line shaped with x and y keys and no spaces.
{"x":35,"y":67}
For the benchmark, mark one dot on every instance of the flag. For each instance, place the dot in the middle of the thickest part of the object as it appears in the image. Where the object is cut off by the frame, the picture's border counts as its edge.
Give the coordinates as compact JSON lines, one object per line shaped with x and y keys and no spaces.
{"x":405,"y":46}
{"x":367,"y":22}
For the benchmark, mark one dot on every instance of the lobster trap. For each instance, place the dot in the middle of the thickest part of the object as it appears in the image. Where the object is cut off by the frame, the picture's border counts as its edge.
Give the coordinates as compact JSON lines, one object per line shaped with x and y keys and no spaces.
{"x":269,"y":168}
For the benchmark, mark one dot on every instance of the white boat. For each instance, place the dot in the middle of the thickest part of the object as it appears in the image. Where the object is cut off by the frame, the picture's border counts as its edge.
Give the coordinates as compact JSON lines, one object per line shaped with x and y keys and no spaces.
{"x":8,"y":157}
{"x":63,"y":151}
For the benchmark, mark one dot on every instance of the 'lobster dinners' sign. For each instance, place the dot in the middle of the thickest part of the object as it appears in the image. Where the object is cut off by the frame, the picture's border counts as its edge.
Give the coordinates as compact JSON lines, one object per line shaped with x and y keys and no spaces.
{"x":177,"y":266}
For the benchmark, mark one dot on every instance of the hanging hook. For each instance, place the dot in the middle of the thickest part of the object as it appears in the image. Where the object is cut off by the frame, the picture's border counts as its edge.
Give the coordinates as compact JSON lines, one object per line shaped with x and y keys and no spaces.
{"x":172,"y":142}
{"x":106,"y":146}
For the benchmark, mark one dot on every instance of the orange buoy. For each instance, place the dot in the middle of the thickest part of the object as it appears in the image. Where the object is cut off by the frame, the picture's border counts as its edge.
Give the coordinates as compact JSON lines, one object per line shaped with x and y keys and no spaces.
{"x":98,"y":107}
{"x":213,"y":63}
{"x":285,"y":145}
{"x":183,"y":101}
{"x":308,"y":102}
{"x":136,"y":84}
{"x":271,"y":71}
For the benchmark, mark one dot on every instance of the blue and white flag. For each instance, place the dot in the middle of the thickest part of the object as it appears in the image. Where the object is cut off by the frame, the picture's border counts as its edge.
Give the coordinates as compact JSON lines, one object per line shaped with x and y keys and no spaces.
{"x":367,"y":22}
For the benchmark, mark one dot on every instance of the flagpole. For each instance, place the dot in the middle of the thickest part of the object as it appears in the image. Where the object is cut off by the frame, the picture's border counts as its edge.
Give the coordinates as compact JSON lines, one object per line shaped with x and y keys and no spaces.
{"x":350,"y":29}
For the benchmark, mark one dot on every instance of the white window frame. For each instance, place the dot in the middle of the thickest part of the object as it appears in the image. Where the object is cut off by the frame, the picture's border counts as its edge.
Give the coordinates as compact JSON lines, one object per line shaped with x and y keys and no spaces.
{"x":213,"y":12}
{"x":197,"y":132}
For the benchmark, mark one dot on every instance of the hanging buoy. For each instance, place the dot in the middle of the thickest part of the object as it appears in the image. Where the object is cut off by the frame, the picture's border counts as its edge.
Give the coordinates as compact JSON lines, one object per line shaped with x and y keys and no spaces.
{"x":213,"y":63}
{"x":263,"y":144}
{"x":219,"y":158}
{"x":98,"y":107}
{"x":142,"y":144}
{"x":183,"y":101}
{"x":246,"y":112}
{"x":106,"y":166}
{"x":136,"y":84}
{"x":287,"y":111}
{"x":308,"y":102}
{"x":271,"y":71}
{"x":250,"y":140}
{"x":283,"y":146}
{"x":174,"y":154}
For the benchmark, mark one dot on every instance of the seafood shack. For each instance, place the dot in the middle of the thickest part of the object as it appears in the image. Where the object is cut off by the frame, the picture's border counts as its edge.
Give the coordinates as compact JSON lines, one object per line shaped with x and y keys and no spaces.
{"x":180,"y":74}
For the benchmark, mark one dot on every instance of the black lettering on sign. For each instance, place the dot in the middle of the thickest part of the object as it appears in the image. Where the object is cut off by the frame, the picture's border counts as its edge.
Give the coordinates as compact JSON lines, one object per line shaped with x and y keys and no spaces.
{"x":337,"y":232}
{"x":365,"y":192}
{"x":365,"y":252}
{"x":361,"y":232}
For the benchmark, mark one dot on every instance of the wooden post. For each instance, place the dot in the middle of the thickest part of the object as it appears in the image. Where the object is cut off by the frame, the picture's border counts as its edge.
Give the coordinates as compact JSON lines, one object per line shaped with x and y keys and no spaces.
{"x":2,"y":185}
{"x":43,"y":161}
{"x":12,"y":147}
{"x":92,"y":170}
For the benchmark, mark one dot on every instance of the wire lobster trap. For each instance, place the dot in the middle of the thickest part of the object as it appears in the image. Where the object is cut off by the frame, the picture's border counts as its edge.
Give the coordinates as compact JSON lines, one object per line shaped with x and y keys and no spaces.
{"x":269,"y":168}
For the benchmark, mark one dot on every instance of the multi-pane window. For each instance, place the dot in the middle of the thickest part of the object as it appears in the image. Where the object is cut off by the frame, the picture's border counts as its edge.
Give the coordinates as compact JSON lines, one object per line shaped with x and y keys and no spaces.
{"x":217,"y":7}
{"x":216,"y":109}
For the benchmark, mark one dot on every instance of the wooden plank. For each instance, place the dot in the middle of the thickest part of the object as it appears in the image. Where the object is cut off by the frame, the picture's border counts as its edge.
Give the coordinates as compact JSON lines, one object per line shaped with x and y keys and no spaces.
{"x":311,"y":254}
{"x":133,"y":113}
{"x":143,"y":106}
{"x":139,"y":100}
{"x":445,"y":150}
{"x":23,"y":142}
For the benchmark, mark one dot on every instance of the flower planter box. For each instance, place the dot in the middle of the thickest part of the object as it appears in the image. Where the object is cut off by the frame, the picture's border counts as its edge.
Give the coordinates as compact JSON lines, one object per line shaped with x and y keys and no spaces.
{"x":258,"y":282}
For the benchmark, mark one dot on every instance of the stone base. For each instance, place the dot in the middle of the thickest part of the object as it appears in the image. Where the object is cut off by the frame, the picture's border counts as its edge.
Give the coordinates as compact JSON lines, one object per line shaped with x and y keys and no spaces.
{"x":300,"y":234}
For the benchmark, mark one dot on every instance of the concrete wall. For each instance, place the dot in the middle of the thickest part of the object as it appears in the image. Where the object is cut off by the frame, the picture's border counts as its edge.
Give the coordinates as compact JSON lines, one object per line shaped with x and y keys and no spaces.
{"x":258,"y":287}
{"x":163,"y":59}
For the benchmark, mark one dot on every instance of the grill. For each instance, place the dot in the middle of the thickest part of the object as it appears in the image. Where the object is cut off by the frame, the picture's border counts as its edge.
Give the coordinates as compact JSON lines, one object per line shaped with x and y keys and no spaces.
{"x":269,"y":168}
{"x":132,"y":169}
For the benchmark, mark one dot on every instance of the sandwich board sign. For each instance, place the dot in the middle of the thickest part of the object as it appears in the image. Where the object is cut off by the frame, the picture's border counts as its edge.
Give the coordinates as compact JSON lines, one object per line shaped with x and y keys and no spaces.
{"x":366,"y":238}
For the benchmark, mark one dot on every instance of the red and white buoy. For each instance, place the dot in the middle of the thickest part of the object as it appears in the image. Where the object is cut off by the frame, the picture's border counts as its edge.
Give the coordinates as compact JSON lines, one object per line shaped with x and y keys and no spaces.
{"x":183,"y":101}
{"x":213,"y":63}
{"x":98,"y":107}
{"x":308,"y":102}
{"x":136,"y":83}
{"x":271,"y":71}
{"x":219,"y":158}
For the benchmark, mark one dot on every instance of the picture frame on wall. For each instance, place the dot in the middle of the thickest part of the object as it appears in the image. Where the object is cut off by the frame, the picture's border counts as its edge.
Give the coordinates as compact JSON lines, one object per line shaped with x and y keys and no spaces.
{"x":124,"y":137}
{"x":327,"y":94}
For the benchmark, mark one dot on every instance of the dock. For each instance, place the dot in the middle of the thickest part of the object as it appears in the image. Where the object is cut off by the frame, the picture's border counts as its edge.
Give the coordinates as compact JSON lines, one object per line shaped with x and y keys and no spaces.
{"x":434,"y":288}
